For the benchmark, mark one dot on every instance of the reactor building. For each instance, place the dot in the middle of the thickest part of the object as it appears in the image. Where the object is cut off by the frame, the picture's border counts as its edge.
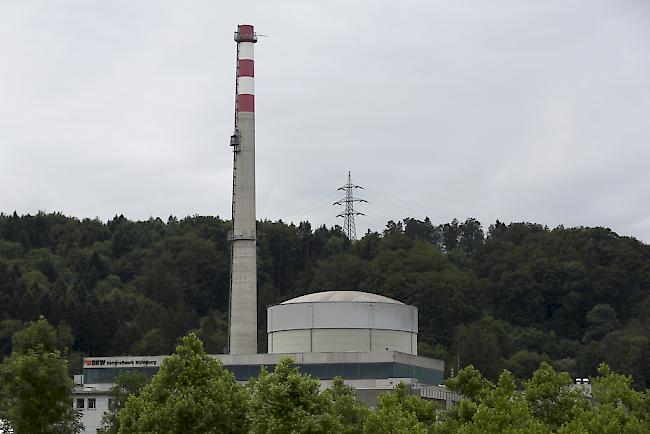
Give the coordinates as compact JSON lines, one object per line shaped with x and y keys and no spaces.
{"x":367,"y":339}
{"x":340,"y":321}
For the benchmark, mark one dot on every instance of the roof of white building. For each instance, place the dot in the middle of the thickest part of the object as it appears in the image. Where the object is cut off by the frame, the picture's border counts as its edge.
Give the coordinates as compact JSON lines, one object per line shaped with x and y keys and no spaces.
{"x":342,"y":296}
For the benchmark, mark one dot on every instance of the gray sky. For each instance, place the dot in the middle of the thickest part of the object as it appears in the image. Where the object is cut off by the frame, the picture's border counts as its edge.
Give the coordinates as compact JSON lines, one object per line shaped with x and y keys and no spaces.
{"x":505,"y":109}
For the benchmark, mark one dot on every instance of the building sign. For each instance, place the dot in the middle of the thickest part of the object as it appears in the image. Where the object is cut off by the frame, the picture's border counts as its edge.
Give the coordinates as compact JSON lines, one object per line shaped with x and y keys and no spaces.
{"x":122,"y":362}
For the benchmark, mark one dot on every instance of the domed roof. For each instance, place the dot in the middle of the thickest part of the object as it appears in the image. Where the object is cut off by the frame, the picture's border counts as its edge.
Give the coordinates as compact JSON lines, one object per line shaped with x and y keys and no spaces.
{"x":342,"y":296}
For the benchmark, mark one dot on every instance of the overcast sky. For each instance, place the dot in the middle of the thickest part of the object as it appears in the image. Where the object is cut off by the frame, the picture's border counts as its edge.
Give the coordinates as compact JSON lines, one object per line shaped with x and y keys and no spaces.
{"x":506,"y":109}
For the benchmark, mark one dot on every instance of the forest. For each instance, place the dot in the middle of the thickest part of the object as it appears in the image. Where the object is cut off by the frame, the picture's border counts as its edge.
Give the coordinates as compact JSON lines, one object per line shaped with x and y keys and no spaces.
{"x":509,"y":296}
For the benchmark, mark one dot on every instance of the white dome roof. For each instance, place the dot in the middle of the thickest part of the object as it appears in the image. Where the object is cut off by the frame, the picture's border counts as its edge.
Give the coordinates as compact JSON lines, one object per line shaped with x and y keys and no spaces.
{"x":342,"y":296}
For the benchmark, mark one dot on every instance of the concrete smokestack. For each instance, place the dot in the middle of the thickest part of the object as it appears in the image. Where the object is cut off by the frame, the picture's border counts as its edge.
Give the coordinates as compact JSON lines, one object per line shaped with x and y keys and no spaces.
{"x":243,"y":274}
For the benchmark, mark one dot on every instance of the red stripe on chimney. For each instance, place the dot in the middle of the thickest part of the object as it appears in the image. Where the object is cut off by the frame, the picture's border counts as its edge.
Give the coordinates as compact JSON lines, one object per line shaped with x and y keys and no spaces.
{"x":246,"y":103}
{"x":246,"y":68}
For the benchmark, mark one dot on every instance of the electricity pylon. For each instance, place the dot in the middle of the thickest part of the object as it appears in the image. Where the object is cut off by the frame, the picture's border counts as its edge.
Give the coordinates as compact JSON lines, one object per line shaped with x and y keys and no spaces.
{"x":349,"y":213}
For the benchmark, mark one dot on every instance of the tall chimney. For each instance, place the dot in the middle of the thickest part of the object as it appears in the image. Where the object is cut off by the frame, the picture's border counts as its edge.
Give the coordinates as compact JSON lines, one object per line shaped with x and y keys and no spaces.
{"x":243,"y":271}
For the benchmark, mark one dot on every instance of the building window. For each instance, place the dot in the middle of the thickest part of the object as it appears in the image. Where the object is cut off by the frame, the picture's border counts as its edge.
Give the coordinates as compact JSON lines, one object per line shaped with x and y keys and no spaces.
{"x":91,"y":403}
{"x":80,"y":403}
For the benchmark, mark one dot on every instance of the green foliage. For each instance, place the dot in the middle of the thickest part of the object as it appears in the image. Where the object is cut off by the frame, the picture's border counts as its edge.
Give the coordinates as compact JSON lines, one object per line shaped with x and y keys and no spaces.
{"x":213,"y":333}
{"x":618,"y":407}
{"x":601,"y":320}
{"x":286,"y":401}
{"x":192,"y":393}
{"x":8,"y":327}
{"x":351,"y":412}
{"x":523,"y":363}
{"x":614,"y":389}
{"x":36,"y":389}
{"x":400,"y":413}
{"x":548,"y":403}
{"x":470,"y":383}
{"x":492,"y":409}
{"x":41,"y":336}
{"x":481,"y":344}
{"x":551,"y":398}
{"x":503,"y":410}
{"x":128,"y":383}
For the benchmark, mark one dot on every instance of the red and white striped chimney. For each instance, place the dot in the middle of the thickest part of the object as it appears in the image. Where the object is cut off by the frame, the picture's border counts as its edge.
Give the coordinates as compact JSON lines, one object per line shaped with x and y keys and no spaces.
{"x":243,"y":271}
{"x":245,"y":38}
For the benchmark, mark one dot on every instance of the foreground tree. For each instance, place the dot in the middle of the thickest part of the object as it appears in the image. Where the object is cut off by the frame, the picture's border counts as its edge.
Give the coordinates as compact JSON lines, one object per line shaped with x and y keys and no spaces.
{"x":36,"y":389}
{"x":504,"y":410}
{"x":491,"y":409}
{"x":618,"y":409}
{"x":399,"y":412}
{"x":192,"y":393}
{"x":286,"y":401}
{"x":548,"y":403}
{"x":126,"y":384}
{"x":470,"y":383}
{"x":551,"y":398}
{"x":350,"y":412}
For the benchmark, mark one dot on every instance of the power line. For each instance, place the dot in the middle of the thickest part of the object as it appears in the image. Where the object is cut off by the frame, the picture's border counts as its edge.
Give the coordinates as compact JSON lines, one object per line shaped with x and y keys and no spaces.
{"x":418,"y":207}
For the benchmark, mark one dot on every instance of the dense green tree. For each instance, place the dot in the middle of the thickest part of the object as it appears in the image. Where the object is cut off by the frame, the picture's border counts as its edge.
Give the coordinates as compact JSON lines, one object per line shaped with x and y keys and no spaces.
{"x":424,"y":231}
{"x":503,"y":410}
{"x":343,"y":272}
{"x":213,"y":332}
{"x":548,"y":403}
{"x":523,"y":363}
{"x":8,"y":327}
{"x":451,"y":233}
{"x":551,"y":398}
{"x":487,"y":408}
{"x":601,"y":320}
{"x":470,"y":383}
{"x":482,"y":344}
{"x":192,"y":393}
{"x":36,"y":390}
{"x":41,"y":335}
{"x":626,"y":350}
{"x":399,"y":413}
{"x":127,"y":383}
{"x":471,"y":235}
{"x":351,"y":412}
{"x":618,"y":408}
{"x":286,"y":401}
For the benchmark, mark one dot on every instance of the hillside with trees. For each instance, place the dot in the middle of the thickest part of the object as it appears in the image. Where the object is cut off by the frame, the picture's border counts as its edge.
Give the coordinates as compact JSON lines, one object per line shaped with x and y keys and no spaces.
{"x":506,"y":296}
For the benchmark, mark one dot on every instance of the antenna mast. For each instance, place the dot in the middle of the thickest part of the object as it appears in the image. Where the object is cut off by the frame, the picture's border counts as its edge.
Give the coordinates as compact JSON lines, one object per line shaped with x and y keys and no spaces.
{"x":349,"y":213}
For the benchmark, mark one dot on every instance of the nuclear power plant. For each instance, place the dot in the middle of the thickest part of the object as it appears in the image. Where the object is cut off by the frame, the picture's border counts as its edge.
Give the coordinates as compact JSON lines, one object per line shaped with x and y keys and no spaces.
{"x":367,"y":339}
